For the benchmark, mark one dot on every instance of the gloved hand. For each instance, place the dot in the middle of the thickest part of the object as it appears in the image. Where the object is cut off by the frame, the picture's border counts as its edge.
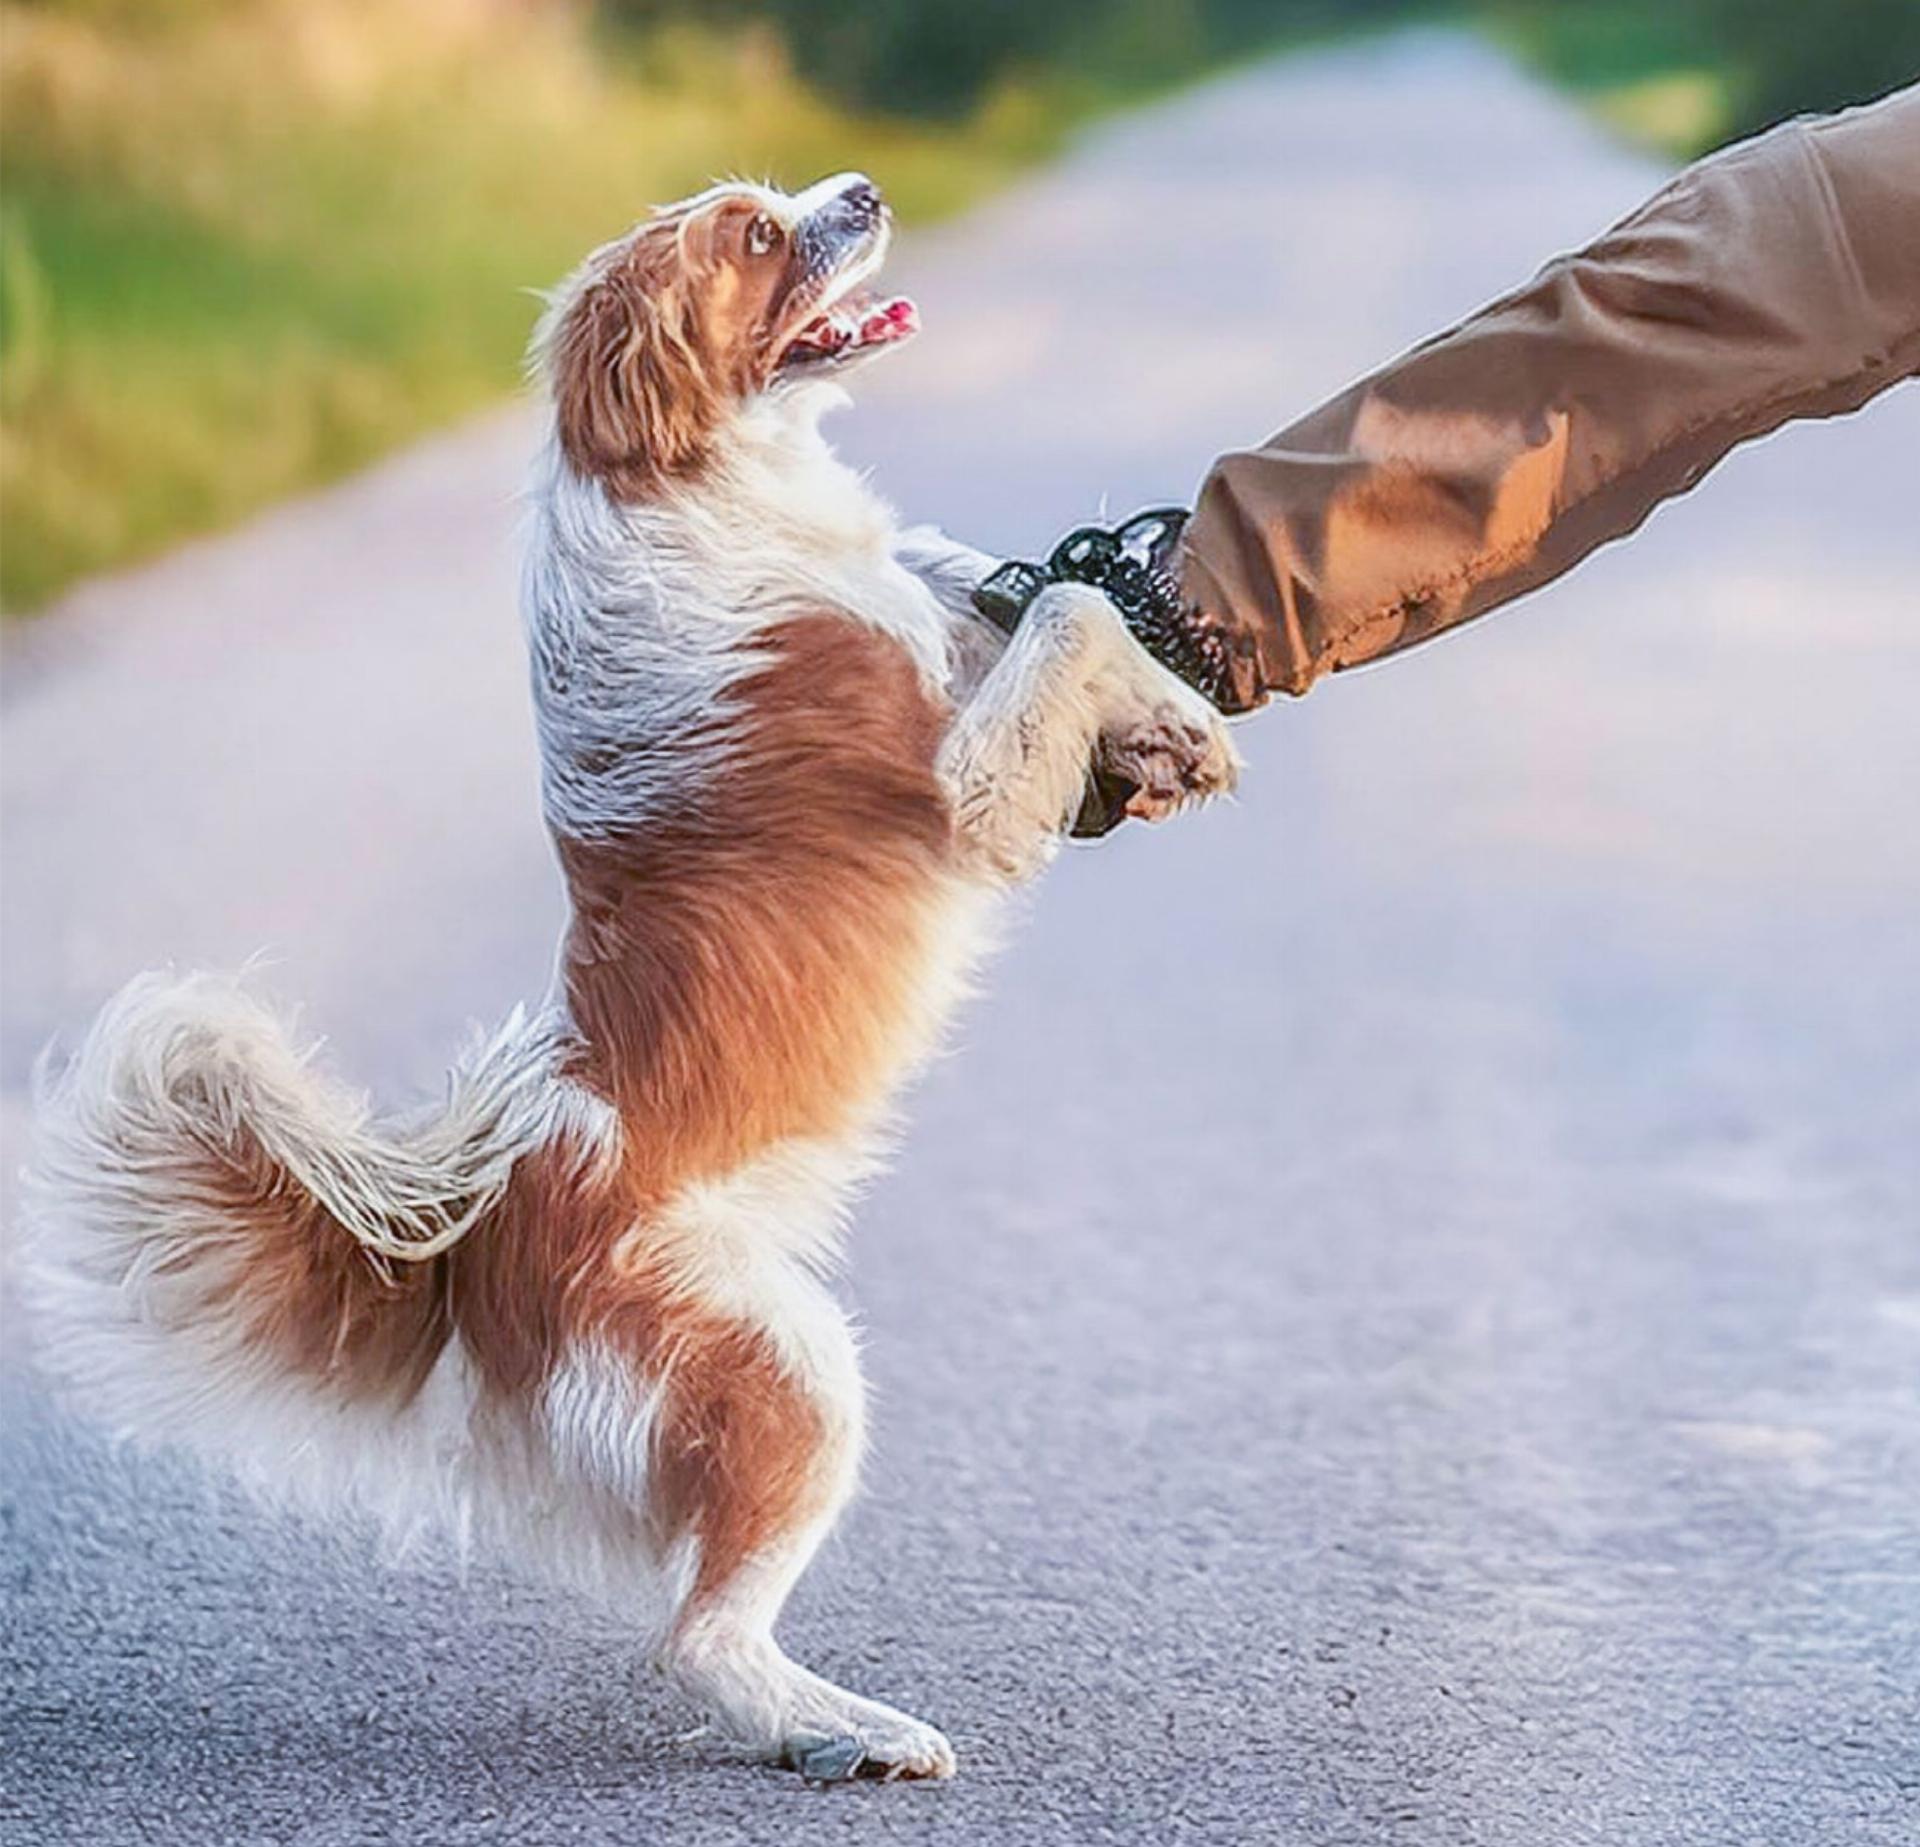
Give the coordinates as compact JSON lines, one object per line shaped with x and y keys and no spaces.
{"x":1133,"y":564}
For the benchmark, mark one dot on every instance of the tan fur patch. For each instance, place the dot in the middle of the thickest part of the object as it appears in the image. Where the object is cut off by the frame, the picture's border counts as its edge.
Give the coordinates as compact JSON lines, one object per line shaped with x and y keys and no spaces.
{"x":305,"y":1291}
{"x":656,"y":339}
{"x":741,"y":973}
{"x":740,"y":1450}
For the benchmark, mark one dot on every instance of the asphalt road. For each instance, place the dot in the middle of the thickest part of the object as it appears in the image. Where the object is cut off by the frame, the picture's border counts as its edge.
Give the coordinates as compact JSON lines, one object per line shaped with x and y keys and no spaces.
{"x":1401,"y":1320}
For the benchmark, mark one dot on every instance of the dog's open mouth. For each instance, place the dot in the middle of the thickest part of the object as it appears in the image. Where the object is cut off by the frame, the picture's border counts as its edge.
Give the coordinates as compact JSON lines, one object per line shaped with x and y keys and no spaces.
{"x":857,"y":323}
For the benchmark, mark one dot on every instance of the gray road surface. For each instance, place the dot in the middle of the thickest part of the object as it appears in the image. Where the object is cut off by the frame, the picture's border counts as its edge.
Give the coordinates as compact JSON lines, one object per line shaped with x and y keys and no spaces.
{"x":1401,"y":1321}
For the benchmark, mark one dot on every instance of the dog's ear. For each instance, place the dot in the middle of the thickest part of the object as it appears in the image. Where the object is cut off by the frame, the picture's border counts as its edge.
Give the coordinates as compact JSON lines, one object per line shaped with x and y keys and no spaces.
{"x":636,"y":397}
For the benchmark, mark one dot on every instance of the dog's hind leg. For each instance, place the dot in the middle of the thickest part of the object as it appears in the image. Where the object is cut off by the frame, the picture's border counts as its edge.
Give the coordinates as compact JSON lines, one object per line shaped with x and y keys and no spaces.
{"x":752,"y":1443}
{"x":723,"y":1654}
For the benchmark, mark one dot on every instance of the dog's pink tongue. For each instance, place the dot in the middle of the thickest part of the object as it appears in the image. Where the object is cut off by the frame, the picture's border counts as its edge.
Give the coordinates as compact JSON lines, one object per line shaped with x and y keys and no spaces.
{"x":892,"y":319}
{"x":848,"y":328}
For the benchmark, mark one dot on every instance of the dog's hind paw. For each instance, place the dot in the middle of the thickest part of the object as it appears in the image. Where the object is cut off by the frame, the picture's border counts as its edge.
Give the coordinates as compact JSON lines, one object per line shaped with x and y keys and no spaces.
{"x":888,"y":1746}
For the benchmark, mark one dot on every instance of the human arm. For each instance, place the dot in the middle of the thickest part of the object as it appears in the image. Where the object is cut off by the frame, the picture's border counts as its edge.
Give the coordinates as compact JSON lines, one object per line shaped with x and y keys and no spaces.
{"x":1779,"y":279}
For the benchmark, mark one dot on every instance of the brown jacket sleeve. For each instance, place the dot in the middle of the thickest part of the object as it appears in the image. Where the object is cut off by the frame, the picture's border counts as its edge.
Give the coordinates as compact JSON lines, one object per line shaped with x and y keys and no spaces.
{"x":1775,"y":280}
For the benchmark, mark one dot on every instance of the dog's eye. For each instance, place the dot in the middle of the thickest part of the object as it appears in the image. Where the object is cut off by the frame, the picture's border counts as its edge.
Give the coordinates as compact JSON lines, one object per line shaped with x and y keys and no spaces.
{"x":762,"y":235}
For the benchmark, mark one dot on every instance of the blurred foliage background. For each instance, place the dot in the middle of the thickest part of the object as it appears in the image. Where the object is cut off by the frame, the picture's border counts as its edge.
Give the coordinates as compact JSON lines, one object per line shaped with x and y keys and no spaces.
{"x":247,"y":244}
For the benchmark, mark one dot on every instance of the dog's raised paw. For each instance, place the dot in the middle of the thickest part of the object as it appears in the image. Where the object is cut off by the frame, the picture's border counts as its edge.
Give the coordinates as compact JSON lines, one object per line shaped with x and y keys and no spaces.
{"x":1171,"y":757}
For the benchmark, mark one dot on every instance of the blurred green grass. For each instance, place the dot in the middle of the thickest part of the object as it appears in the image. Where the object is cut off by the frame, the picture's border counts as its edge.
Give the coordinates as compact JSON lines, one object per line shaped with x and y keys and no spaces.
{"x":247,"y":245}
{"x":244,"y":247}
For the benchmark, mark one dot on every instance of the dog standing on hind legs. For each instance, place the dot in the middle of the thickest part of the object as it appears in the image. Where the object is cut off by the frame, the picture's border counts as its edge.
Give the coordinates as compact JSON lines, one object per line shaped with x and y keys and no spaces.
{"x":577,"y":1313}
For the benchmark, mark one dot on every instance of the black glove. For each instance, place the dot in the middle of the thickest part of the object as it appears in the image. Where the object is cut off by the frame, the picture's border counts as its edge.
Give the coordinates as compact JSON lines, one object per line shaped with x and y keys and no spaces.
{"x":1133,"y":565}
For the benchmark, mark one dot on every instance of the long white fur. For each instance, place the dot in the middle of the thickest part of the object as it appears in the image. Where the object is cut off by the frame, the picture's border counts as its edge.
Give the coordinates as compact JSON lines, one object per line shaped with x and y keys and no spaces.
{"x":127,"y":1258}
{"x":175,"y":1064}
{"x":641,"y":619}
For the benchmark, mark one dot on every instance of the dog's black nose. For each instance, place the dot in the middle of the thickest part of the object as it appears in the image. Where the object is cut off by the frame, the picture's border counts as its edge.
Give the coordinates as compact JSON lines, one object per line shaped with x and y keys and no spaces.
{"x":862,"y":200}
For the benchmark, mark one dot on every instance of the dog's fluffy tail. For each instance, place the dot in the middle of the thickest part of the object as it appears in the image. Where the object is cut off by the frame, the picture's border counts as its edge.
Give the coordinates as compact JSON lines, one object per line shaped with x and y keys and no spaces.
{"x":212,"y":1223}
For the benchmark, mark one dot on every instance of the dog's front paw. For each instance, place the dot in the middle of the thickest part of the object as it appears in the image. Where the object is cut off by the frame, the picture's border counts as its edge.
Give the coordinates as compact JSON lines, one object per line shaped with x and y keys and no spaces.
{"x":1172,"y":751}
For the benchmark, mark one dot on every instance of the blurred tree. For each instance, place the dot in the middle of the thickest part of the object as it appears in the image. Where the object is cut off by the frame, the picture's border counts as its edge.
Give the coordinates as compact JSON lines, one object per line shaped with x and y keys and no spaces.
{"x":939,"y":57}
{"x":1788,"y":56}
{"x":919,"y":57}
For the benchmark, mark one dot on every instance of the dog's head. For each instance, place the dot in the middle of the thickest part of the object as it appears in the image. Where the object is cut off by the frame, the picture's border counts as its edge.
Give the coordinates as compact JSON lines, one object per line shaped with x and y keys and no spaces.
{"x":662,"y":336}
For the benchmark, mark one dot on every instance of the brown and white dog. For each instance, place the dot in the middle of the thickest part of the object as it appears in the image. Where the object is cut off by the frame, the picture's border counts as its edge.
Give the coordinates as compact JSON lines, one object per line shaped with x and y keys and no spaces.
{"x":577,"y":1313}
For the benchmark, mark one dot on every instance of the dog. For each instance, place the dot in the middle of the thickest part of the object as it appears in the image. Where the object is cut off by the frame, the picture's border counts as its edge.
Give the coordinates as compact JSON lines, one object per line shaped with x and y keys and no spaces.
{"x":577,"y":1314}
